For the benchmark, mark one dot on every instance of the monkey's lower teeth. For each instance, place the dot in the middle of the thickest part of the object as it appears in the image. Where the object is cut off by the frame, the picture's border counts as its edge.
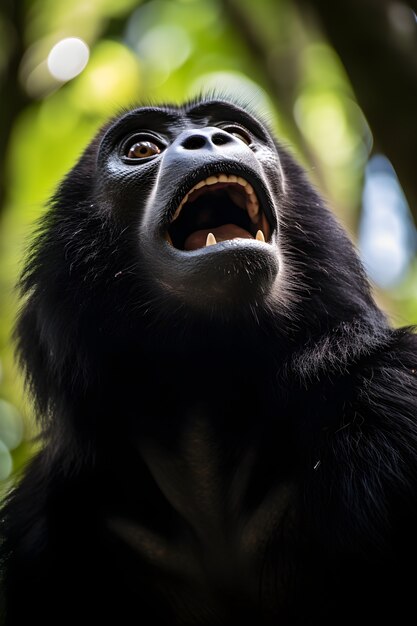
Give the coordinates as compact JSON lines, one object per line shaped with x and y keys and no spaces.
{"x":200,"y":238}
{"x":210,"y":236}
{"x":211,"y":239}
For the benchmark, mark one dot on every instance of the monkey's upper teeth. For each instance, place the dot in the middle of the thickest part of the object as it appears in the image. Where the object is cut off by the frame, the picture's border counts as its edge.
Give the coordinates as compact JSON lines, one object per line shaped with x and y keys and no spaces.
{"x":248,"y":201}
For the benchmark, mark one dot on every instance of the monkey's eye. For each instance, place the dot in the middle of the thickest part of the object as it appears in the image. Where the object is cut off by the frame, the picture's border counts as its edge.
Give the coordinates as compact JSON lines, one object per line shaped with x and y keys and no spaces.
{"x":239,"y":132}
{"x":142,"y":150}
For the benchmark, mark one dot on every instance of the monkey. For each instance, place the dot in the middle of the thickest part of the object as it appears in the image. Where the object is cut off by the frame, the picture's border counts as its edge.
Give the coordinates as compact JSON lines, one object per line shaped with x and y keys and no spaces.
{"x":228,"y":420}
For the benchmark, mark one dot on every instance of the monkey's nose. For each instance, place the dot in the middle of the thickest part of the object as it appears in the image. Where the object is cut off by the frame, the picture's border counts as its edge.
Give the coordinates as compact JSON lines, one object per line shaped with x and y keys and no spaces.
{"x":199,"y":139}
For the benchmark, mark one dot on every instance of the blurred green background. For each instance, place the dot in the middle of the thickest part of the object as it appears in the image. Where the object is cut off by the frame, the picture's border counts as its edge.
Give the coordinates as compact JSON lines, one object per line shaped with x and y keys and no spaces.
{"x":337,"y":80}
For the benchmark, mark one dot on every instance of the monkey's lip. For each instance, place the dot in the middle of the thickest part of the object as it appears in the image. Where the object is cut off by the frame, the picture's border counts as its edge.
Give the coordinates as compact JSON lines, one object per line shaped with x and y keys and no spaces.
{"x":217,"y":208}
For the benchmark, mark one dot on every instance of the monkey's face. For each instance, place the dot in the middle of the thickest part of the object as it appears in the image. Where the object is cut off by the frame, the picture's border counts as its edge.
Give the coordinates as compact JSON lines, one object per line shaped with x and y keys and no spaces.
{"x":190,"y":214}
{"x":202,"y":186}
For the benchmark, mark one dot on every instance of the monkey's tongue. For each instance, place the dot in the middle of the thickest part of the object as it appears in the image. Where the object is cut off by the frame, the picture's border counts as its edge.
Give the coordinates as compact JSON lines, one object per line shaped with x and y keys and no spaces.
{"x":222,"y":233}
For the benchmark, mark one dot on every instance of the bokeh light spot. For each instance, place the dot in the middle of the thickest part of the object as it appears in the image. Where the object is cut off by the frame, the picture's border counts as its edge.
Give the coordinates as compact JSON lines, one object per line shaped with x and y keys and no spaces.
{"x":164,"y":48}
{"x":68,"y":58}
{"x":11,"y":425}
{"x":322,"y":118}
{"x":6,"y":462}
{"x":387,"y":237}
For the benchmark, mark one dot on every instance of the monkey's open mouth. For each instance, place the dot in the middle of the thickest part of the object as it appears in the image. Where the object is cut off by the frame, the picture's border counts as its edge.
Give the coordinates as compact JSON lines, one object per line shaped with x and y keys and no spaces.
{"x":217,"y":209}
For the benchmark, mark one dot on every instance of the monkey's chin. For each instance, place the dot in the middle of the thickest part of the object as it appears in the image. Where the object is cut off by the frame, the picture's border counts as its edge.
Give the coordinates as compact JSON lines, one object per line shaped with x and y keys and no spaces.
{"x":227,"y":275}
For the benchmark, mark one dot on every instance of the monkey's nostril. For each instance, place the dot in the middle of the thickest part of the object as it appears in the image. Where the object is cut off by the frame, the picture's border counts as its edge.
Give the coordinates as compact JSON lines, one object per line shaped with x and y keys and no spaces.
{"x":197,"y":141}
{"x":219,"y":139}
{"x":194,"y":142}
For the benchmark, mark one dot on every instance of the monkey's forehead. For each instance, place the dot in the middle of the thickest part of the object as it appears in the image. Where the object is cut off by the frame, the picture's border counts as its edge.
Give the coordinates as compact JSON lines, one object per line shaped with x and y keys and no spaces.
{"x":213,"y":98}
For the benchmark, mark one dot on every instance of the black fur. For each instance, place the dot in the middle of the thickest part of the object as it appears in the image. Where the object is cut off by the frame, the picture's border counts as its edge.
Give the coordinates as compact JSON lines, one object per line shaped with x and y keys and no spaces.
{"x":229,"y":434}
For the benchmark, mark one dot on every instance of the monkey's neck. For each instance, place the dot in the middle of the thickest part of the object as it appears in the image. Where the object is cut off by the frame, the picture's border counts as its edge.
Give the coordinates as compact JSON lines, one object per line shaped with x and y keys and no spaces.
{"x":224,"y":505}
{"x":205,"y":474}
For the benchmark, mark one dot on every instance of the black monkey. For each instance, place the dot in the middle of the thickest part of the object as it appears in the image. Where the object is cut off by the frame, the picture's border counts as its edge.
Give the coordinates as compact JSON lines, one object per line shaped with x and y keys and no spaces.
{"x":229,"y":422}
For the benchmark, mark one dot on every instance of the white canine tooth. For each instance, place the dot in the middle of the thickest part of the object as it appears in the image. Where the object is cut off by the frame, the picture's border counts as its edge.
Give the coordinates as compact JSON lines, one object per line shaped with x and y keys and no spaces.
{"x":168,"y":238}
{"x":211,"y":240}
{"x":242,"y":181}
{"x":211,"y":180}
{"x":260,"y":236}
